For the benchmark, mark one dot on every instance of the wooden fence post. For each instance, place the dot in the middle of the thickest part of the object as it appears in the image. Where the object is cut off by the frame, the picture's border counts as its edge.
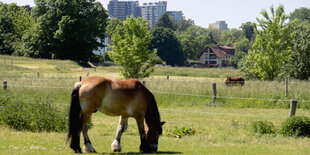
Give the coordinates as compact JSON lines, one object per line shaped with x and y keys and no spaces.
{"x":214,"y":91}
{"x":5,"y":84}
{"x":38,"y":74}
{"x":293,"y":107}
{"x":87,"y":74}
{"x":167,"y":77}
{"x":80,"y":78}
{"x":286,"y":86}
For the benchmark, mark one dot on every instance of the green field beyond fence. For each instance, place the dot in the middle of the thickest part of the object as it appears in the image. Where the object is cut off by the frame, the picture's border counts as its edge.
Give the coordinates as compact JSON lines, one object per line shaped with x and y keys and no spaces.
{"x":185,"y":99}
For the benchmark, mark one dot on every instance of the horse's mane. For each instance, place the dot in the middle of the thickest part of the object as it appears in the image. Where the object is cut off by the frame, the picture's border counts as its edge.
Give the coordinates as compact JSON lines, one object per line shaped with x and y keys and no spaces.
{"x":152,"y":117}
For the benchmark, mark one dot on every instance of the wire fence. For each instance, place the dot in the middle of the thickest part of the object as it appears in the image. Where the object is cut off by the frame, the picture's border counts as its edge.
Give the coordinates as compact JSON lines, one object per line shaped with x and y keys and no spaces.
{"x":154,"y":91}
{"x":62,"y":104}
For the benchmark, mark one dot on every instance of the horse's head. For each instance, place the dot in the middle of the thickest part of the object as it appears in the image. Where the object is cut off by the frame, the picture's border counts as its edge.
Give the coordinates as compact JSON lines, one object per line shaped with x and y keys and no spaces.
{"x":152,"y":136}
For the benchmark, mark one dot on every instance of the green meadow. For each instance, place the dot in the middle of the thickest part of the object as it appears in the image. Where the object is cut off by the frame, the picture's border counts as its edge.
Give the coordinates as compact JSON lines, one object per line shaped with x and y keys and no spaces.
{"x":184,"y":100}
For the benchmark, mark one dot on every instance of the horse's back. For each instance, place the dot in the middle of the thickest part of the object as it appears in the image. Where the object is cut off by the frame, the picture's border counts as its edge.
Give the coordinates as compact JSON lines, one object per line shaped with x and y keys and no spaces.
{"x":113,"y":97}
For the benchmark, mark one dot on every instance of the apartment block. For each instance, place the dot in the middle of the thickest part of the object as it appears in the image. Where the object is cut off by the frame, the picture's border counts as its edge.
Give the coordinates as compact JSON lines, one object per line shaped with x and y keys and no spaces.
{"x":221,"y":25}
{"x":151,"y":12}
{"x":123,"y":9}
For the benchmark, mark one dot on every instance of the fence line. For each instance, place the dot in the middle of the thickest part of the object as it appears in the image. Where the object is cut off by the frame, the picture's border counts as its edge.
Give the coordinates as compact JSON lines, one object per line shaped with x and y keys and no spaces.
{"x":215,"y":113}
{"x":225,"y":97}
{"x":172,"y":93}
{"x":165,"y":80}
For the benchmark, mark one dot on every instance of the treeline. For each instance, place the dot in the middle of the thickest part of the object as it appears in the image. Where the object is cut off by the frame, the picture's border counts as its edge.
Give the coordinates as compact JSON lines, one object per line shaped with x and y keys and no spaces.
{"x":53,"y":29}
{"x":276,"y":46}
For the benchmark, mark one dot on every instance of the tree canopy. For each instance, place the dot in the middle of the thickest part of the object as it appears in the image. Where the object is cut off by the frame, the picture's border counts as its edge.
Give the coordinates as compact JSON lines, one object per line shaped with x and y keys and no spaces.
{"x":168,"y":47}
{"x":248,"y":30}
{"x":166,"y":21}
{"x":299,"y":63}
{"x":301,"y":14}
{"x":229,"y":37}
{"x":130,"y":48}
{"x":272,"y":47}
{"x":193,"y":40}
{"x":66,"y":29}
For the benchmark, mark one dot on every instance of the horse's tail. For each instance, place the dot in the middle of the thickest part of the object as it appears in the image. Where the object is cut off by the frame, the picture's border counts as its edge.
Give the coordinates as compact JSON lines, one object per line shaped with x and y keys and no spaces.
{"x":75,"y":122}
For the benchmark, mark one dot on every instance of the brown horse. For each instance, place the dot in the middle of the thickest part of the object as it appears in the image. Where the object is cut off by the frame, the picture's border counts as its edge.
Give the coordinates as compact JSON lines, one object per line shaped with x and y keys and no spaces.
{"x":126,"y":99}
{"x":233,"y":81}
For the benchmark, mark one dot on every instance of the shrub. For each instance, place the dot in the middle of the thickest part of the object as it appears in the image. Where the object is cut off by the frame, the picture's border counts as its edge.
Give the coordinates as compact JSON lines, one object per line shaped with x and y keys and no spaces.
{"x":262,"y":127}
{"x":34,"y":117}
{"x":179,"y":132}
{"x":296,"y":126}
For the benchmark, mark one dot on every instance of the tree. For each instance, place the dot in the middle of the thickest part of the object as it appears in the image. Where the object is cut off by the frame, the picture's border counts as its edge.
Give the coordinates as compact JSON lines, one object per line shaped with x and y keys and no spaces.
{"x":15,"y":22}
{"x":6,"y":34}
{"x":168,"y":47}
{"x":229,"y":37}
{"x":66,"y":29}
{"x":299,"y":63}
{"x":248,"y":29}
{"x":193,"y":41}
{"x":183,"y":24}
{"x":215,"y":35}
{"x":301,"y":14}
{"x":111,"y":26}
{"x":242,"y":47}
{"x":272,"y":47}
{"x":130,"y":48}
{"x":166,"y":21}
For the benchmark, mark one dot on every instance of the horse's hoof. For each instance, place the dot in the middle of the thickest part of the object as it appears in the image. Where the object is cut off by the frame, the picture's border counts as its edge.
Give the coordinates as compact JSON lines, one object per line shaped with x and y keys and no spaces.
{"x":116,"y":146}
{"x":89,"y":148}
{"x":78,"y":150}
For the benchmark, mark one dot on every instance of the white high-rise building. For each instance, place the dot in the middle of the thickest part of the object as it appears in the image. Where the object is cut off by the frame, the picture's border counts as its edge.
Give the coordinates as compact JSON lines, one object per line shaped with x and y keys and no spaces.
{"x":221,"y":25}
{"x":151,"y":12}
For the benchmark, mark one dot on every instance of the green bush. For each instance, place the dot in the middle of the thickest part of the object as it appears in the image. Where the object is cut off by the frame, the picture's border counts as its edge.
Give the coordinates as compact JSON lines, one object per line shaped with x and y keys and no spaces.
{"x":179,"y":132}
{"x":33,"y":117}
{"x":262,"y":127}
{"x":296,"y":126}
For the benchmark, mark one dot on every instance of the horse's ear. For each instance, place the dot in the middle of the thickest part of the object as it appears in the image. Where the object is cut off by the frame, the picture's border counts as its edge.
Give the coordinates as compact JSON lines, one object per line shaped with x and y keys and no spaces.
{"x":162,"y":123}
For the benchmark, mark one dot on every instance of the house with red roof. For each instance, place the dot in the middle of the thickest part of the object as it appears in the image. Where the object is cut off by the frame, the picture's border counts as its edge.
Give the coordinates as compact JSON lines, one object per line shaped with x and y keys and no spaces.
{"x":216,"y":56}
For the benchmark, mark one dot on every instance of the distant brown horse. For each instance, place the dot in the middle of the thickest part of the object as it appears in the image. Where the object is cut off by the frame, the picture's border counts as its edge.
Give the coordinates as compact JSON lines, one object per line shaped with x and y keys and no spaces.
{"x":233,"y":81}
{"x":126,"y":99}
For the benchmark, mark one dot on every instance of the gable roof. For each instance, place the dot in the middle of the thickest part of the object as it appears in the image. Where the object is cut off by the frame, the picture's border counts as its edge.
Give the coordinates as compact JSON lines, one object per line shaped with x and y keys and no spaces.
{"x":219,"y":51}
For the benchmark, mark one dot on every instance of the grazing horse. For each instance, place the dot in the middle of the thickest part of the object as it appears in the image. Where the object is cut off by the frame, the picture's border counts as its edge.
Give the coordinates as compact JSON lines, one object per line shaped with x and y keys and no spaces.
{"x":233,"y":81}
{"x":128,"y":98}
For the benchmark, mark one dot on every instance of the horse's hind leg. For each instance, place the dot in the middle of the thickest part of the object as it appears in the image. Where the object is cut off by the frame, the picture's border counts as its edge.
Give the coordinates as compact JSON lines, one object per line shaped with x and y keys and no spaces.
{"x":88,"y":147}
{"x":122,"y":127}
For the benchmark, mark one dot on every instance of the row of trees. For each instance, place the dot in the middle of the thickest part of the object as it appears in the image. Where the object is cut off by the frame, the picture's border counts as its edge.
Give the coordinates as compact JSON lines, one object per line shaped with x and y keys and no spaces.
{"x":57,"y":29}
{"x":282,"y":46}
{"x":277,"y":46}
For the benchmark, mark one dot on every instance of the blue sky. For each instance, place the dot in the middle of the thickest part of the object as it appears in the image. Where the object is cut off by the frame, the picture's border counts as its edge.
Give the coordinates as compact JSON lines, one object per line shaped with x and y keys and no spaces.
{"x":204,"y":12}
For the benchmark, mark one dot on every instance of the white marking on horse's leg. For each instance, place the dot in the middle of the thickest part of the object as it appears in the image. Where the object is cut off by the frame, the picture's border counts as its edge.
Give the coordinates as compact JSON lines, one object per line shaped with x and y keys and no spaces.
{"x":122,"y":127}
{"x":88,"y":147}
{"x":116,"y":146}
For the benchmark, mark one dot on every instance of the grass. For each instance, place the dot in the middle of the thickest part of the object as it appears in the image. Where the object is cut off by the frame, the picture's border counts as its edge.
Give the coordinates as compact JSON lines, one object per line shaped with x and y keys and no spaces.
{"x":220,"y":127}
{"x":217,"y":131}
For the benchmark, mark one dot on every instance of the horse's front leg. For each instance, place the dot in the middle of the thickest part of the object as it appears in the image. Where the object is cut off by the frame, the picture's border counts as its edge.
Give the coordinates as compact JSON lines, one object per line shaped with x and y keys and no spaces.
{"x":122,"y":127}
{"x":88,"y":147}
{"x":143,"y":146}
